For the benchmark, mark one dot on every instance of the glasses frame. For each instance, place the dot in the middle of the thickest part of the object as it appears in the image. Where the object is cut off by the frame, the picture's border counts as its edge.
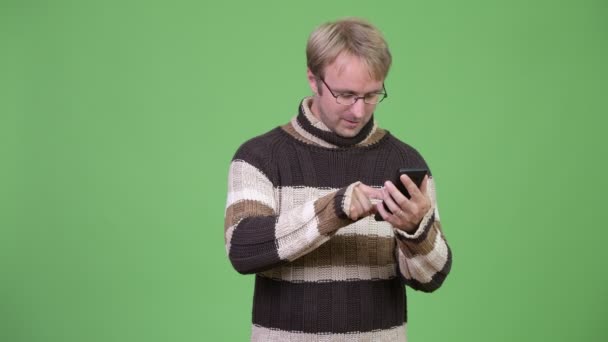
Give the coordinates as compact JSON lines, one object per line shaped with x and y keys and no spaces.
{"x":356,"y":98}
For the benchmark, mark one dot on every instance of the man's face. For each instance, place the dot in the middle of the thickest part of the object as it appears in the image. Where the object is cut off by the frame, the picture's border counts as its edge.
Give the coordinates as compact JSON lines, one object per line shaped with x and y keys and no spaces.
{"x":346,"y":75}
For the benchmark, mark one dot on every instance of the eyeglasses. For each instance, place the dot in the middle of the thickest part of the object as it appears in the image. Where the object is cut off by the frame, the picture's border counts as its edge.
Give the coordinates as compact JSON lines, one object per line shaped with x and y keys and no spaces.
{"x":350,"y":99}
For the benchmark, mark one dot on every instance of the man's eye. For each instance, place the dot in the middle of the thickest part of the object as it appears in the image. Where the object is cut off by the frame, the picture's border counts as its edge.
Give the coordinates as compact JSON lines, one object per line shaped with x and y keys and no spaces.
{"x":347,"y":96}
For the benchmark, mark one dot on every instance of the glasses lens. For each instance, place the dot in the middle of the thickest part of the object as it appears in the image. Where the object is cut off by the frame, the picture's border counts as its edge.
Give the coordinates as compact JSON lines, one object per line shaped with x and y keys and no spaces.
{"x":373,"y":98}
{"x":349,"y":99}
{"x":346,"y":99}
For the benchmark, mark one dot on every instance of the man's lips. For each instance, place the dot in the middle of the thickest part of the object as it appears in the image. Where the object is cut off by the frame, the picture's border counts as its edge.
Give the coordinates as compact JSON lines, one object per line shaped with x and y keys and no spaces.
{"x":351,"y":123}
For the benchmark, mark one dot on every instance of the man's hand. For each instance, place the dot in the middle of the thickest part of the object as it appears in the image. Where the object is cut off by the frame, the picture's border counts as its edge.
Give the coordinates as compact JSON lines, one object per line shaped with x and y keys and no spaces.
{"x":406,"y":213}
{"x":361,"y":201}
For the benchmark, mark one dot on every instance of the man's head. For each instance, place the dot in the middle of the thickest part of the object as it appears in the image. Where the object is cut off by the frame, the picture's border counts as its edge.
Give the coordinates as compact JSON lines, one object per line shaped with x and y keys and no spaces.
{"x":348,"y":58}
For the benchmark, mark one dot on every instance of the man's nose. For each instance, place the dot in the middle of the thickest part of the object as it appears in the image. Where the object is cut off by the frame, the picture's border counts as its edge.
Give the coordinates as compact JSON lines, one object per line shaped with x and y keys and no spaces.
{"x":358,"y":108}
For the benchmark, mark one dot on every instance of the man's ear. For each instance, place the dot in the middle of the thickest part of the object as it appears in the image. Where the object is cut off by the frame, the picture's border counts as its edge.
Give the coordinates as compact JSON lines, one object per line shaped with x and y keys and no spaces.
{"x":312,"y":81}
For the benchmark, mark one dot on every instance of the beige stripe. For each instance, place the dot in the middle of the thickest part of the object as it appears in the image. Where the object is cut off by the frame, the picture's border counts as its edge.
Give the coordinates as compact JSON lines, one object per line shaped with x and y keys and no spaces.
{"x":306,"y":104}
{"x":325,"y":209}
{"x":331,"y":273}
{"x":396,"y":334}
{"x":343,"y":257}
{"x":228,"y":238}
{"x":374,"y":136}
{"x":297,"y":233}
{"x":246,"y":208}
{"x":424,"y":267}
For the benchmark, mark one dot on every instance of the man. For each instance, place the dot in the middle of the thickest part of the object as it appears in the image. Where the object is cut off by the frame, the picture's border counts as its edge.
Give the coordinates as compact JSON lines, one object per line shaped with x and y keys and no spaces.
{"x":301,"y":200}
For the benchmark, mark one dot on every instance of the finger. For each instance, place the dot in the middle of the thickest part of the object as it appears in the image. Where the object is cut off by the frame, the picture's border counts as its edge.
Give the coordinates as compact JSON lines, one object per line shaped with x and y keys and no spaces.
{"x":394,"y":220}
{"x":388,"y":199}
{"x":409,"y":184}
{"x":405,"y":209}
{"x":424,"y":184}
{"x":380,"y":209}
{"x":363,"y":204}
{"x":370,"y":192}
{"x":419,"y":197}
{"x":424,"y":201}
{"x":396,"y":195}
{"x":355,"y":207}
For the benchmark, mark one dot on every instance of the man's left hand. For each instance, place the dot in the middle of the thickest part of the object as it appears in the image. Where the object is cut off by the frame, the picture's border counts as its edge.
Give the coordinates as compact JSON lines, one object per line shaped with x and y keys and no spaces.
{"x":406,"y":213}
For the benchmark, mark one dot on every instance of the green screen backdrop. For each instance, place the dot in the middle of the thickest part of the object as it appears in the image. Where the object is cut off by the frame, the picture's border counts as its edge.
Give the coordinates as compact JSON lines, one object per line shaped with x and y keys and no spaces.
{"x":118,"y":120}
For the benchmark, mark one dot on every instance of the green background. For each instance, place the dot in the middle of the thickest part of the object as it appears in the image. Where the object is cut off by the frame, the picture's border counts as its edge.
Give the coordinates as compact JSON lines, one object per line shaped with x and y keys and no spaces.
{"x":119,"y":120}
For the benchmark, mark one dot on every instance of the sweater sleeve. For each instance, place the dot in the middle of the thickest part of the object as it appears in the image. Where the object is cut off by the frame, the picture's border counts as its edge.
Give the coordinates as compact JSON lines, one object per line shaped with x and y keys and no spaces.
{"x":424,"y":257}
{"x":260,"y":236}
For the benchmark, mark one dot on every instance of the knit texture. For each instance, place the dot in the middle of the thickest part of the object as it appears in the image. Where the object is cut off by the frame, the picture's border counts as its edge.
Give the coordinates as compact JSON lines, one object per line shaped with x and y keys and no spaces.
{"x":321,"y":276}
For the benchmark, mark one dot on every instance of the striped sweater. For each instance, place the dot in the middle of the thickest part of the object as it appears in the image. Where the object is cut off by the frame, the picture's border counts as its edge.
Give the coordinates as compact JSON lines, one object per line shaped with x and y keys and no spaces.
{"x":319,"y":275}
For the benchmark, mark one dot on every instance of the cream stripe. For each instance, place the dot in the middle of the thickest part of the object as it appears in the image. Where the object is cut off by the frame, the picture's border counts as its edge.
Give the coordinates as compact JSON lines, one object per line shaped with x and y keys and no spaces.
{"x":424,"y":267}
{"x":368,"y":226}
{"x":348,"y":196}
{"x":249,"y":194}
{"x":297,"y":232}
{"x":306,"y":135}
{"x":247,"y":182}
{"x":432,"y":191}
{"x":331,"y":273}
{"x":306,"y":103}
{"x":396,"y":334}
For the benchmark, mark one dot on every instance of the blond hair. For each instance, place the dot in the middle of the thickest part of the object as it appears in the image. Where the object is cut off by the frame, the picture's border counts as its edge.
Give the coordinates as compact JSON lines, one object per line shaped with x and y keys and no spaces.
{"x":354,"y":36}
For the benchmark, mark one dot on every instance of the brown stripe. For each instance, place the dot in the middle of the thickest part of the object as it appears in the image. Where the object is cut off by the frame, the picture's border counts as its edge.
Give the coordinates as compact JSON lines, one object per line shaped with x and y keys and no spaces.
{"x":246,"y":208}
{"x":411,"y":249}
{"x":376,"y":136}
{"x":350,"y":250}
{"x":325,"y":210}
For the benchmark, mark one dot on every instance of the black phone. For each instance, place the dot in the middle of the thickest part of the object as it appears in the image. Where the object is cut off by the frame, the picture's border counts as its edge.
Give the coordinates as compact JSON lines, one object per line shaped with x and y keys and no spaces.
{"x":416,"y":175}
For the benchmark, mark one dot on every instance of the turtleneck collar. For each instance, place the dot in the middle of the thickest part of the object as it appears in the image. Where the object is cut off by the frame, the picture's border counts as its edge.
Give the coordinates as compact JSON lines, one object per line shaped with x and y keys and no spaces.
{"x":316,"y":131}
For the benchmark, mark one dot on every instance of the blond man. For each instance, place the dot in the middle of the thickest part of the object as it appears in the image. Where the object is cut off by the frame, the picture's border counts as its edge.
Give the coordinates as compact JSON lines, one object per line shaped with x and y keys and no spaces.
{"x":302,"y":200}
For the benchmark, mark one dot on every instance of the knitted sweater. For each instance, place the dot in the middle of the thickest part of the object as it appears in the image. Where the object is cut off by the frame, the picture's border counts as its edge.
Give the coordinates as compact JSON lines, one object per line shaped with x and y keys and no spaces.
{"x":320,"y":275}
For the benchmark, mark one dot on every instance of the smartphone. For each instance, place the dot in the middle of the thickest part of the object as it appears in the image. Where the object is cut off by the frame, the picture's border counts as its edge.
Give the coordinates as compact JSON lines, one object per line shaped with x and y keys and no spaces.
{"x":416,"y":175}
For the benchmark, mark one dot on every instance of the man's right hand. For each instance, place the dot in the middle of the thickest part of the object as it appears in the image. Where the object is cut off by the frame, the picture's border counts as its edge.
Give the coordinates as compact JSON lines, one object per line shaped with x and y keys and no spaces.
{"x":361,"y":201}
